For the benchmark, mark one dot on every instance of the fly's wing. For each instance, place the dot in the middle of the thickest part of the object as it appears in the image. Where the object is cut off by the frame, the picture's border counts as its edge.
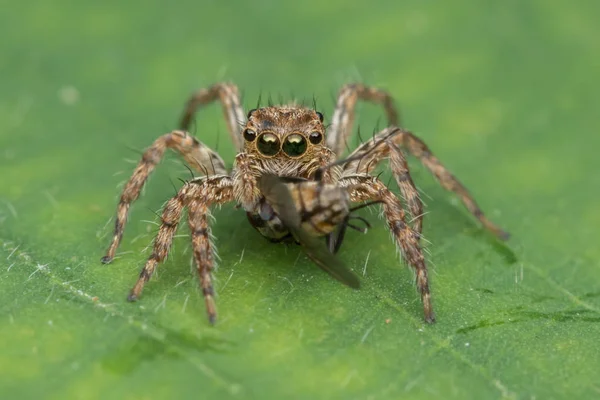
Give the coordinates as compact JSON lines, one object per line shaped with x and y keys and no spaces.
{"x":278,"y":196}
{"x":328,"y":262}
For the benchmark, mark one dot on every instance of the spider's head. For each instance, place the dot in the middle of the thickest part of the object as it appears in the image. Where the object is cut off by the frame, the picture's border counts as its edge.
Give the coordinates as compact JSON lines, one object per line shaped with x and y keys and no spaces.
{"x":285,"y":132}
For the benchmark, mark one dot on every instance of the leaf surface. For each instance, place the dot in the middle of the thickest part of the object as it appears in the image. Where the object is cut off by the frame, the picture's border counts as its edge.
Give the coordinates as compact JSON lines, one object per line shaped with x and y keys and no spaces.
{"x":505,"y":95}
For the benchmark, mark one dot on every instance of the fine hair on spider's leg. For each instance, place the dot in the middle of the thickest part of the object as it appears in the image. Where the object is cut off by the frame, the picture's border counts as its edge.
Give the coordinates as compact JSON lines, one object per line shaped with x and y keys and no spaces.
{"x":334,"y":239}
{"x":162,"y":243}
{"x":448,"y":181}
{"x":197,"y":195}
{"x":410,"y":194}
{"x":342,"y":118}
{"x":258,"y":101}
{"x":388,"y":143}
{"x":194,"y":152}
{"x":359,"y":154}
{"x":228,"y":95}
{"x":363,"y":187}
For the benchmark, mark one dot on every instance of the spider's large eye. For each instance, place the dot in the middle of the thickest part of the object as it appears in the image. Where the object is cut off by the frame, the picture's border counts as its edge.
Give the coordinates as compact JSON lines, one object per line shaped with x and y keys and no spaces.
{"x":268,"y":144}
{"x":315,"y":137}
{"x":249,"y":135}
{"x":294,"y":145}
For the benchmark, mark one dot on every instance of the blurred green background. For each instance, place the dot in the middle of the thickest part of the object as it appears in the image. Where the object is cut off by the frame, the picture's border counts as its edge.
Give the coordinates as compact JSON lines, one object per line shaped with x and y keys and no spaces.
{"x":506,"y":95}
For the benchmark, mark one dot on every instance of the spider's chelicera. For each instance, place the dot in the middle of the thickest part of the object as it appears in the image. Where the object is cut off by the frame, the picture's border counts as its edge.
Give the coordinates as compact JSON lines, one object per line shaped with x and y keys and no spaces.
{"x":289,"y":179}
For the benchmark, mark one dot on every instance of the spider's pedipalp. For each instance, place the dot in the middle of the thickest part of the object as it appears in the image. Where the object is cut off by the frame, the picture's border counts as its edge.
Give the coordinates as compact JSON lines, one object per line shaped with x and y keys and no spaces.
{"x":195,"y":153}
{"x":229,"y":96}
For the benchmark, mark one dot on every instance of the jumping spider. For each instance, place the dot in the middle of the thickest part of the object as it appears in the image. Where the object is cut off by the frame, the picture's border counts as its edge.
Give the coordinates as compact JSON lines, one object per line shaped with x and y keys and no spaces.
{"x":290,"y":142}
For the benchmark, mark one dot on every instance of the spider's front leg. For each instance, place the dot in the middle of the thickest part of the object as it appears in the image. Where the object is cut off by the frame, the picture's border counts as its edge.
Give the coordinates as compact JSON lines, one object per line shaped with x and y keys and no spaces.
{"x":369,"y":188}
{"x":343,"y":115}
{"x":198,"y":195}
{"x":195,"y":153}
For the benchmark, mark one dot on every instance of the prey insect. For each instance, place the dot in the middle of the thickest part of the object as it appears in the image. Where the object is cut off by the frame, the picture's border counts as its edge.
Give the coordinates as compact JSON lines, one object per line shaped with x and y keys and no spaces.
{"x":306,"y":219}
{"x":283,"y":152}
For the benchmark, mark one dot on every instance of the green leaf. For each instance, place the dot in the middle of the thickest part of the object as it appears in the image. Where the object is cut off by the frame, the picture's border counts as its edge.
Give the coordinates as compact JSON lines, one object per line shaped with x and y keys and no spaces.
{"x":506,"y":95}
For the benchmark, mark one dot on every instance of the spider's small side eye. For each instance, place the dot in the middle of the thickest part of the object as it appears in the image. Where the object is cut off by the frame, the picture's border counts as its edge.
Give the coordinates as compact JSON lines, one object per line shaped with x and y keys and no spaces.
{"x":249,"y":135}
{"x":294,"y":145}
{"x":268,"y":144}
{"x":250,"y":113}
{"x":320,"y":115}
{"x":315,"y":137}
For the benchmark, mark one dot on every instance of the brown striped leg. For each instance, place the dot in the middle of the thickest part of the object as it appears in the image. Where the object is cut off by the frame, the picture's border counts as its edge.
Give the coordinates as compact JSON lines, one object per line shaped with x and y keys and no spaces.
{"x":162,"y":243}
{"x":417,"y":148}
{"x":382,"y":147}
{"x":448,"y":181}
{"x":343,"y":115}
{"x":203,"y":252}
{"x":196,"y":154}
{"x":369,"y":188}
{"x":228,"y":95}
{"x":401,"y":173}
{"x":198,"y":195}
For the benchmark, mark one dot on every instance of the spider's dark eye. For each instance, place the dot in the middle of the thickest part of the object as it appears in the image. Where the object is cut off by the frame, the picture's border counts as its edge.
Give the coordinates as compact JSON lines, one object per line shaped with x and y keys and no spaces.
{"x":250,"y":112}
{"x":320,"y":115}
{"x":315,"y":137}
{"x":268,"y":144}
{"x":249,"y":135}
{"x":294,"y":145}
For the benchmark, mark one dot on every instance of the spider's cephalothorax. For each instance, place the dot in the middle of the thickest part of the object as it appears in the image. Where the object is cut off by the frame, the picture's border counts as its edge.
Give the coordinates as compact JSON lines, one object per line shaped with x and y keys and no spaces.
{"x":288,"y":177}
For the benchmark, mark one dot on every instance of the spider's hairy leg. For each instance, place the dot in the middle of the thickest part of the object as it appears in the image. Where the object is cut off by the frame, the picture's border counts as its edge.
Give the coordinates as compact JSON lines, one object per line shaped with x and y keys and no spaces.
{"x":448,"y":181}
{"x":343,"y":115}
{"x":162,"y":243}
{"x":401,"y":173}
{"x":196,"y":154}
{"x":229,"y":96}
{"x":203,"y":252}
{"x":370,"y":188}
{"x":198,"y":195}
{"x":367,"y":157}
{"x":415,"y":146}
